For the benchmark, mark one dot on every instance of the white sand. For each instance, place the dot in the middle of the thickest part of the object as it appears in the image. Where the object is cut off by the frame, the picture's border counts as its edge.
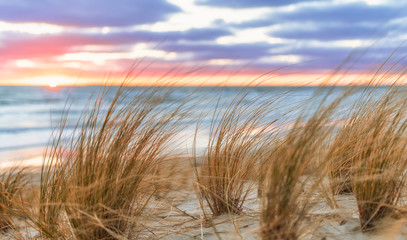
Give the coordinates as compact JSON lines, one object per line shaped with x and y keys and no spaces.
{"x":182,"y":219}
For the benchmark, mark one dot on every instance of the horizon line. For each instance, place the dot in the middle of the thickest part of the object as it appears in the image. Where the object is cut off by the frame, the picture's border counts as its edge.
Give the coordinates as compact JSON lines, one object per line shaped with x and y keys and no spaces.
{"x":202,"y":85}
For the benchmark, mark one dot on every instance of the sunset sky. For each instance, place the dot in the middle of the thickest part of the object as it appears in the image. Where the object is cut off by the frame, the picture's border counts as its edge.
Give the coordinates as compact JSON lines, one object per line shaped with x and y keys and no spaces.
{"x":50,"y":42}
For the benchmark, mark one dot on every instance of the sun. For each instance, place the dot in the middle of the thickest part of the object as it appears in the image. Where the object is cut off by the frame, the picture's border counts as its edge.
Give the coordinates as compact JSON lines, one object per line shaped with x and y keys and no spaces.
{"x":53,"y":84}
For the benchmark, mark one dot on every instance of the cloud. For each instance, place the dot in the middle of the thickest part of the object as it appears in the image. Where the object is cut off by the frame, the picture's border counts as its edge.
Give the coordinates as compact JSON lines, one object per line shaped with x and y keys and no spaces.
{"x":17,"y":46}
{"x":316,"y":35}
{"x":346,"y":14}
{"x":27,"y":47}
{"x":48,"y":48}
{"x":35,"y":47}
{"x":87,"y":13}
{"x":328,"y":32}
{"x":195,"y":34}
{"x":218,"y":51}
{"x":327,"y":58}
{"x":251,"y":4}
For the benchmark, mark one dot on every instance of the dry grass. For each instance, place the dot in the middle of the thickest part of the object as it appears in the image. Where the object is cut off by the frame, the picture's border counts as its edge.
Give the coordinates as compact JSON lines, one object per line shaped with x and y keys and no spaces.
{"x":340,"y":163}
{"x":377,"y":133}
{"x":97,"y":185}
{"x":367,"y":156}
{"x":225,"y":171}
{"x":288,"y":184}
{"x":12,"y":182}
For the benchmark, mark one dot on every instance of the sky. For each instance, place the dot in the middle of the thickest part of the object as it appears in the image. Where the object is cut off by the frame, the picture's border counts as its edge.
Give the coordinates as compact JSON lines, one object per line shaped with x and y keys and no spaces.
{"x":197,"y":42}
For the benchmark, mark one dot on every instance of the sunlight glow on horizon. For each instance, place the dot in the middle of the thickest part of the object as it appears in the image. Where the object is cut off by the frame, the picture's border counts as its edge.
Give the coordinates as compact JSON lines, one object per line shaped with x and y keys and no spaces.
{"x":53,"y":84}
{"x":218,"y":80}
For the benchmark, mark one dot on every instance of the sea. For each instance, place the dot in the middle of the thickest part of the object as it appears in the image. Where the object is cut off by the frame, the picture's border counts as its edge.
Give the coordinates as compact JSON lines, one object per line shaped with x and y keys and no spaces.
{"x":30,"y":115}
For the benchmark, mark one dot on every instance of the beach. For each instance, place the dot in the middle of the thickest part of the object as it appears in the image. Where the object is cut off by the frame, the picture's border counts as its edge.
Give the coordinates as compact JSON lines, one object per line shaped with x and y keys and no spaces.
{"x":199,"y":162}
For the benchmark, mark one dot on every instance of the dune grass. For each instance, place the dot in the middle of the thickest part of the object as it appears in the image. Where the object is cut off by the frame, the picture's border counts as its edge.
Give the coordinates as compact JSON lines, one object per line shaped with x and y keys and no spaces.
{"x":225,"y":172}
{"x":378,"y":132}
{"x":12,"y":182}
{"x":367,"y":155}
{"x":97,"y":184}
{"x":340,"y":163}
{"x":292,"y":173}
{"x":283,"y":204}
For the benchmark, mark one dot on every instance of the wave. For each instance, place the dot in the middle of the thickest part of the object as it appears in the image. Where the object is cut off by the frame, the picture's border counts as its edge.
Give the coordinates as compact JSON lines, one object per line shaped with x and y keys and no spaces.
{"x":19,"y":147}
{"x":30,"y":129}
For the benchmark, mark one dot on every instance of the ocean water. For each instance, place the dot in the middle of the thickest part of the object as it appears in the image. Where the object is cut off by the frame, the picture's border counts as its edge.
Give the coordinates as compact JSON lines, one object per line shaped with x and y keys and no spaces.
{"x":28,"y":115}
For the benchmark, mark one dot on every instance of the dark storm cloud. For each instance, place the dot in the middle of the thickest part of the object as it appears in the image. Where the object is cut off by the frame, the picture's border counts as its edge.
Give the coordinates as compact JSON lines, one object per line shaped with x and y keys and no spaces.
{"x":86,"y":13}
{"x":252,"y":3}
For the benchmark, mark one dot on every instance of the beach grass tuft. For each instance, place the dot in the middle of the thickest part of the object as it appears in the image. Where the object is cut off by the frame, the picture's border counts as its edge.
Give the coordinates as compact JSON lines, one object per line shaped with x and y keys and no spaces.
{"x":13,"y":181}
{"x":292,"y":172}
{"x":97,"y":184}
{"x":225,"y":172}
{"x":378,"y":155}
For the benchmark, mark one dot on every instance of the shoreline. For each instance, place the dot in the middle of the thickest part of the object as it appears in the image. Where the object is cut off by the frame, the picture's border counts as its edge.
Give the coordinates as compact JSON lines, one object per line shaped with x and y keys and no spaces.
{"x":28,"y":157}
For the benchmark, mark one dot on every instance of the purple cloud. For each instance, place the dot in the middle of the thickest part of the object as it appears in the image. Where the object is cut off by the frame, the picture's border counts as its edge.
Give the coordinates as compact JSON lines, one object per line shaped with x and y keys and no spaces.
{"x":16,"y":46}
{"x":323,"y":22}
{"x":349,"y":13}
{"x":344,"y":13}
{"x":219,"y":51}
{"x":252,"y":3}
{"x":335,"y":32}
{"x":195,"y":34}
{"x":87,"y":13}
